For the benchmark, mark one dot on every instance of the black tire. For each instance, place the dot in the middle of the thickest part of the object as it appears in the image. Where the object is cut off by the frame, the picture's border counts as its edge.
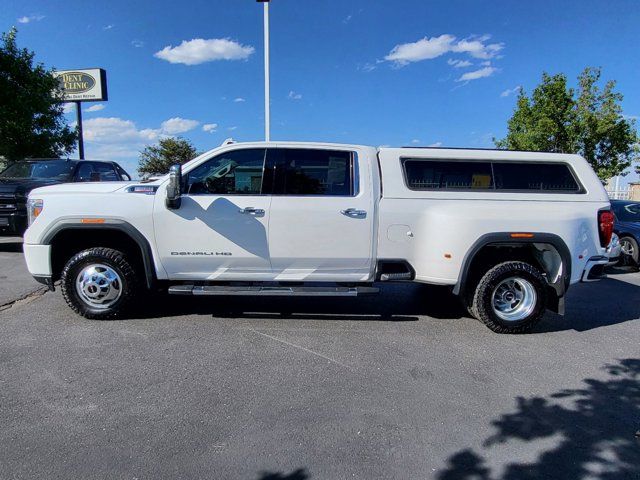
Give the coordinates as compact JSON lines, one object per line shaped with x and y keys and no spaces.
{"x":632,"y":260}
{"x":482,"y":306}
{"x":127,"y":283}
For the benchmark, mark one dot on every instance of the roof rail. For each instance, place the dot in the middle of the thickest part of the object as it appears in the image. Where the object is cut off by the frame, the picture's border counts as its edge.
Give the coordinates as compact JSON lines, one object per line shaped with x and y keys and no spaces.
{"x":475,"y":148}
{"x":228,"y":141}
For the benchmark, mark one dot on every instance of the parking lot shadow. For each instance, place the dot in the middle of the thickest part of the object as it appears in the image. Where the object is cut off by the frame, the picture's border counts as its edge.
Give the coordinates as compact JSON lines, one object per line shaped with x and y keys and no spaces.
{"x":589,"y":306}
{"x":399,"y":302}
{"x":595,"y":305}
{"x":299,"y":474}
{"x":593,"y":432}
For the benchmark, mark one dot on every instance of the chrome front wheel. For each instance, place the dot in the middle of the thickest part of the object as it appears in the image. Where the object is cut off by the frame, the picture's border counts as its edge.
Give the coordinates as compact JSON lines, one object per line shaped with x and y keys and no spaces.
{"x":99,"y":286}
{"x":100,"y":283}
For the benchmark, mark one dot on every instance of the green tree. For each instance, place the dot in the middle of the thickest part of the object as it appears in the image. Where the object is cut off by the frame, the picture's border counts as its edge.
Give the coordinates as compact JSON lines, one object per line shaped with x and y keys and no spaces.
{"x":587,"y":121}
{"x":32,"y":122}
{"x":157,"y":159}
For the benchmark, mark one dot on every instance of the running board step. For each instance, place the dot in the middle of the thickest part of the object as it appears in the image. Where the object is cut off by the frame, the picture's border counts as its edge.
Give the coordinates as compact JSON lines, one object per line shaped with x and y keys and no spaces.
{"x":272,"y":291}
{"x":385,"y":277}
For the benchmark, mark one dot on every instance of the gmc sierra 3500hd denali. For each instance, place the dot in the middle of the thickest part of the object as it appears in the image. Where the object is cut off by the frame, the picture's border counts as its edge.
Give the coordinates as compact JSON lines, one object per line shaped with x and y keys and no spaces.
{"x":508,"y":231}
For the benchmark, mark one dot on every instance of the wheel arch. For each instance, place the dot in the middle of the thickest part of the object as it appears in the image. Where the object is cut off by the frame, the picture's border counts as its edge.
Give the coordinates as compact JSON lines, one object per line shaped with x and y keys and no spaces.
{"x":112,"y":230}
{"x":560,"y":253}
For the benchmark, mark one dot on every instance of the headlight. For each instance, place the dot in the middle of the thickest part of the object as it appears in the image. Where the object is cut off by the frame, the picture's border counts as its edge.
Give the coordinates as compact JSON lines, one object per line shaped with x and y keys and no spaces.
{"x":34,"y":208}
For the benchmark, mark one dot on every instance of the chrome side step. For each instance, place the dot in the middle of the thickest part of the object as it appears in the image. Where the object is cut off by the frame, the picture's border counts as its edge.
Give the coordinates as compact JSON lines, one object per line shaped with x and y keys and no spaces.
{"x":386,"y":277}
{"x":272,"y":291}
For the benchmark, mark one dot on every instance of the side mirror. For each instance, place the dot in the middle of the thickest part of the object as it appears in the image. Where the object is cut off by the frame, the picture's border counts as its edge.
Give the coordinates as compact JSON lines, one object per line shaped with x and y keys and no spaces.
{"x":174,"y":188}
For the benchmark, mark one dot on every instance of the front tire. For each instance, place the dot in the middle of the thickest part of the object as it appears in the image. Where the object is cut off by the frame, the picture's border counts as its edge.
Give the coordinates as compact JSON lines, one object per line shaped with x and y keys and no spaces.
{"x":99,"y":283}
{"x":510,"y":298}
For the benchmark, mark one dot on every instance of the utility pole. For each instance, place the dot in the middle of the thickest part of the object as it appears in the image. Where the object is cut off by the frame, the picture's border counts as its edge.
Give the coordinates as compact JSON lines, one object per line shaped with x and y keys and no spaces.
{"x":267,"y":106}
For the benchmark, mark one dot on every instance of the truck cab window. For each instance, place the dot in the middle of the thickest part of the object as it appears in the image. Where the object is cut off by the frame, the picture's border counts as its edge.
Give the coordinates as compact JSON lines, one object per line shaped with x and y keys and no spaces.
{"x":85,"y":172}
{"x":313,"y":172}
{"x":104,"y":172}
{"x":238,"y":172}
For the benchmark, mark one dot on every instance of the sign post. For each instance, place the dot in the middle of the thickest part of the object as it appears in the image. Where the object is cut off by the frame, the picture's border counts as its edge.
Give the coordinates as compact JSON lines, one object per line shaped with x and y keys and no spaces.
{"x":80,"y":139}
{"x":77,"y":86}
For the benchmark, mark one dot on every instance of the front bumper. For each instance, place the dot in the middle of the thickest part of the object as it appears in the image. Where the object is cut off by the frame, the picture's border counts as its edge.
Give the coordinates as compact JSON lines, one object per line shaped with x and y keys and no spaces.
{"x":594,"y":269}
{"x":38,"y":259}
{"x":13,"y":223}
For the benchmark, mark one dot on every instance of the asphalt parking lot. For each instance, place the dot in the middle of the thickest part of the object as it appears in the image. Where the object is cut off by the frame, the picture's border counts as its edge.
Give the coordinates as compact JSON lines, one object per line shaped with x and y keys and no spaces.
{"x":402,"y":385}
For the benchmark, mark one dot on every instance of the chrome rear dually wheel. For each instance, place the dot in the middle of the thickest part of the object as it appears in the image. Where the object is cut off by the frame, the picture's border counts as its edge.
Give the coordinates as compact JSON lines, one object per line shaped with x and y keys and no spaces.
{"x":514,"y":299}
{"x":511,"y":297}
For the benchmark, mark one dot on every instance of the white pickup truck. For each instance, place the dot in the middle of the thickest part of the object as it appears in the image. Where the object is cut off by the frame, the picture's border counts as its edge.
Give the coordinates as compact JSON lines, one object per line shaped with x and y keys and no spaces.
{"x":507,"y":231}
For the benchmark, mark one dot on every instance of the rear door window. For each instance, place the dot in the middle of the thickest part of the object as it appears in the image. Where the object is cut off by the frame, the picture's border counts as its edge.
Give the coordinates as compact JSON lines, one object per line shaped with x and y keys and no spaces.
{"x":301,"y":171}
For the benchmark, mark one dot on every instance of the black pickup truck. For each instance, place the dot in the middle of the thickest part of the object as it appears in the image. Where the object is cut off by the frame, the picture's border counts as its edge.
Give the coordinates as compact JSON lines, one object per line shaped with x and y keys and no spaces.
{"x":20,"y":178}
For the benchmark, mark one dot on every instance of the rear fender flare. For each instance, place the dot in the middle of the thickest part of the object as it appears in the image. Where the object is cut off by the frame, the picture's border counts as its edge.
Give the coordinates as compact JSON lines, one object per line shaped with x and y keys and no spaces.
{"x":505,"y":238}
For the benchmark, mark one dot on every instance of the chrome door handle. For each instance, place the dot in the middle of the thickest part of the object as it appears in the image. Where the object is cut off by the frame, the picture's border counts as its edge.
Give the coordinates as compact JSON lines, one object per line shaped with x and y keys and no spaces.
{"x":251,"y":211}
{"x":354,"y":212}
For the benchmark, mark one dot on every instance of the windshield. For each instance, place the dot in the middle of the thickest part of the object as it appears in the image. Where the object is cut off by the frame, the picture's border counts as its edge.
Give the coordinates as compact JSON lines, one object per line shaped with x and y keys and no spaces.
{"x":628,"y":212}
{"x":52,"y":169}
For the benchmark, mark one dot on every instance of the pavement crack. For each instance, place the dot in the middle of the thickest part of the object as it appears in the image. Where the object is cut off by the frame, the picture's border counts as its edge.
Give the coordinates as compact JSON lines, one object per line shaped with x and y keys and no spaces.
{"x":300,"y":347}
{"x":28,"y":298}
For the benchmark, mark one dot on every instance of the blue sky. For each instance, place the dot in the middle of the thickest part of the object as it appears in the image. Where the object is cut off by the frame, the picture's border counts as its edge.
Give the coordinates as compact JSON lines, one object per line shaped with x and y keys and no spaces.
{"x":404,"y":72}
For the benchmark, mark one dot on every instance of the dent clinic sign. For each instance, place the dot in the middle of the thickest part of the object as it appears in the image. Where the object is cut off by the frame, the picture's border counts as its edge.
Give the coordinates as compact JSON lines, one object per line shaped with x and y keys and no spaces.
{"x":89,"y":85}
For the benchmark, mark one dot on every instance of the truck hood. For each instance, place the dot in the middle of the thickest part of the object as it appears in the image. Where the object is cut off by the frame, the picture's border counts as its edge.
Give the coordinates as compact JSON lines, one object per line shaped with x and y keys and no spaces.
{"x":88,"y":187}
{"x":22,"y":186}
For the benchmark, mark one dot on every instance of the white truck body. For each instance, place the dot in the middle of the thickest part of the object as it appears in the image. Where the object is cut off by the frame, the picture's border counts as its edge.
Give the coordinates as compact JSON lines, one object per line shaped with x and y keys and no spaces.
{"x":275,"y":237}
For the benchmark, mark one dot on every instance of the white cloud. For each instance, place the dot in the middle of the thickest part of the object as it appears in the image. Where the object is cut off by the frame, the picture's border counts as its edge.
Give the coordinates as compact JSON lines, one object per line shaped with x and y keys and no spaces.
{"x":476,"y":74}
{"x":429,"y":48}
{"x":477,"y":48}
{"x":30,"y":18}
{"x":231,"y":129}
{"x":108,"y":27}
{"x":347,"y":19}
{"x":415,"y":140}
{"x":294,"y":96}
{"x":95,"y":108}
{"x":209,"y":127}
{"x":137,"y":43}
{"x":113,"y":130}
{"x":511,"y":91}
{"x":117,"y":138}
{"x":177,"y":125}
{"x":69,"y":107}
{"x":239,"y":100}
{"x":435,"y":145}
{"x":198,"y":50}
{"x":459,"y":63}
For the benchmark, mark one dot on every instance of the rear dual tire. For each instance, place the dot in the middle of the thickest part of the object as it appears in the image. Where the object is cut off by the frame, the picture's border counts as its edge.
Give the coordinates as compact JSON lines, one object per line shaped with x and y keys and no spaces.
{"x":510,"y":298}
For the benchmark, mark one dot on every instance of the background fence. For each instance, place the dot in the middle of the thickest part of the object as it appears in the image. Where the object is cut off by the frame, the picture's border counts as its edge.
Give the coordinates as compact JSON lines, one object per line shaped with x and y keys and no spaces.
{"x":622,"y":194}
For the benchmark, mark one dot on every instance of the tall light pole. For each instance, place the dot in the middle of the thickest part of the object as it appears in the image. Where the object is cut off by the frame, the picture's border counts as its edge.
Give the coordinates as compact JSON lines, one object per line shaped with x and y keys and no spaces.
{"x":267,"y":107}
